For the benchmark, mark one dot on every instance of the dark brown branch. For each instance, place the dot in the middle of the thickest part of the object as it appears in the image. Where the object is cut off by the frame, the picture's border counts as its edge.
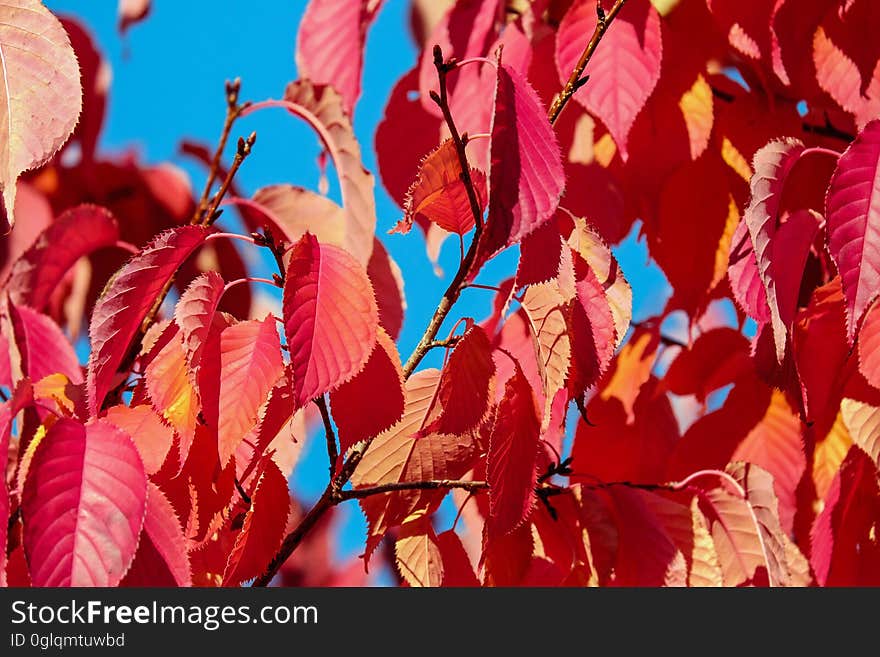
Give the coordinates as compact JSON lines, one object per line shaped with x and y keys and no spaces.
{"x":449,"y":484}
{"x":577,"y":79}
{"x":828,"y":130}
{"x":455,"y":287}
{"x":332,"y":452}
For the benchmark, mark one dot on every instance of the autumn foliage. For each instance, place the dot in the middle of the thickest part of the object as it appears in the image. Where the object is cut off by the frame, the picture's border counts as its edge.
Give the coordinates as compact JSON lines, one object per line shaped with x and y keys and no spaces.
{"x":733,"y":439}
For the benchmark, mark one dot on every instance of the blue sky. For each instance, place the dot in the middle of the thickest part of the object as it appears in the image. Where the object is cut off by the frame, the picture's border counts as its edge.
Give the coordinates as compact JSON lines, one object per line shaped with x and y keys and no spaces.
{"x":168,"y":77}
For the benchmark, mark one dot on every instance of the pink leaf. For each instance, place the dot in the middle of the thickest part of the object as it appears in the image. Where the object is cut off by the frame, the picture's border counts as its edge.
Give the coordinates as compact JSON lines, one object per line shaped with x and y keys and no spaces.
{"x":773,"y":163}
{"x":161,"y":558}
{"x":321,"y":107}
{"x":330,"y":45}
{"x":526,"y":177}
{"x":83,"y":505}
{"x":43,"y":348}
{"x":247,"y":363}
{"x":127,"y":299}
{"x":263,"y":527}
{"x":132,"y":12}
{"x":290,"y":212}
{"x":330,"y":317}
{"x":76,"y":233}
{"x":625,"y":69}
{"x":40,"y":94}
{"x":194,"y":315}
{"x":745,"y":278}
{"x":467,"y":30}
{"x":511,"y":465}
{"x":852,"y":209}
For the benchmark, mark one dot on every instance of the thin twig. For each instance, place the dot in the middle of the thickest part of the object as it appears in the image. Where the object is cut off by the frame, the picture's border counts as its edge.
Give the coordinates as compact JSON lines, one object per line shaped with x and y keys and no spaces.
{"x":233,"y":111}
{"x":332,"y":451}
{"x":576,"y":80}
{"x":244,"y":149}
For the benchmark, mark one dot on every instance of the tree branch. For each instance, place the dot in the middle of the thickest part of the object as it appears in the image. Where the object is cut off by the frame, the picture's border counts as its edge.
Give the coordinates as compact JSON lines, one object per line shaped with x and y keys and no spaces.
{"x":332,"y":452}
{"x":455,"y":287}
{"x":576,"y":80}
{"x":449,"y":484}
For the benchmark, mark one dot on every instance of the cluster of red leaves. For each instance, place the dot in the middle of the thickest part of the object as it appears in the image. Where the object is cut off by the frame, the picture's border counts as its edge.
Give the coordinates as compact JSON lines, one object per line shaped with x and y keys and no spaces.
{"x":708,"y":461}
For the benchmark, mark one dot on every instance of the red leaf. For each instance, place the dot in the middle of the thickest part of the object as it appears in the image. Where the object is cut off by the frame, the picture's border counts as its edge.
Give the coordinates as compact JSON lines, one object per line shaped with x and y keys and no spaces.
{"x":263,"y":527}
{"x":526,"y":176}
{"x":247,"y":363}
{"x":405,"y":135}
{"x":715,"y":359}
{"x":467,"y":388}
{"x":76,"y":233}
{"x":127,"y":299}
{"x":83,"y":505}
{"x":820,"y":352}
{"x":194,"y":315}
{"x":845,"y":551}
{"x":869,"y":346}
{"x":161,"y":558}
{"x":626,"y":68}
{"x":699,"y":188}
{"x":646,"y":554}
{"x":617,"y":449}
{"x":43,"y":348}
{"x":330,"y":45}
{"x":854,"y":223}
{"x":152,"y":437}
{"x":330,"y":318}
{"x":95,"y":82}
{"x":42,"y":95}
{"x":387,"y":280}
{"x":440,"y":196}
{"x":512,"y":461}
{"x":457,"y":568}
{"x":373,"y":400}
